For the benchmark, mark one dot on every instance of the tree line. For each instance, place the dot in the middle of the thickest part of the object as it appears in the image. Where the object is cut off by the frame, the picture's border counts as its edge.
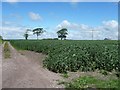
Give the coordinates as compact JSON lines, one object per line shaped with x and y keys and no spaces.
{"x":62,"y":33}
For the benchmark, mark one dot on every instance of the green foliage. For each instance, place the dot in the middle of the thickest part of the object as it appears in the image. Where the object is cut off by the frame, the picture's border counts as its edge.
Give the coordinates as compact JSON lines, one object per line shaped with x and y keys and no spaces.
{"x":1,"y":39}
{"x":76,"y":55}
{"x":65,"y":75}
{"x":104,"y":72}
{"x":91,"y":82}
{"x":26,"y":34}
{"x":6,"y":50}
{"x":62,"y":33}
{"x":38,"y":31}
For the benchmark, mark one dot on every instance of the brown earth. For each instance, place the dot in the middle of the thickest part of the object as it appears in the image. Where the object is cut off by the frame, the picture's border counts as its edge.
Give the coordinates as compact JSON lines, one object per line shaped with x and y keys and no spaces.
{"x":25,"y":70}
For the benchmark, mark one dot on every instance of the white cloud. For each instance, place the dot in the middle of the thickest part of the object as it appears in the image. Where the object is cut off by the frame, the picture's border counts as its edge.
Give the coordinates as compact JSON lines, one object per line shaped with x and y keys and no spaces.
{"x":111,"y":23}
{"x":71,"y":26}
{"x":49,"y":35}
{"x":45,"y":35}
{"x":34,"y":16}
{"x":12,"y":30}
{"x":108,"y":29}
{"x":30,"y":33}
{"x":6,"y":23}
{"x":64,"y":24}
{"x":76,"y":31}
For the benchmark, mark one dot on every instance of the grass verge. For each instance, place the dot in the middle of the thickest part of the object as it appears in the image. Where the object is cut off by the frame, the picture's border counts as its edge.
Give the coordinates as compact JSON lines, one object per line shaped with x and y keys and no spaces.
{"x":92,"y":82}
{"x":0,"y":41}
{"x":65,"y":75}
{"x":6,"y":51}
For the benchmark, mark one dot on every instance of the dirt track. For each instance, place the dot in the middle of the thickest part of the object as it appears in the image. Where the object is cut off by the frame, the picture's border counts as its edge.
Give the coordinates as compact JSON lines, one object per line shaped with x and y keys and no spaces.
{"x":23,"y":70}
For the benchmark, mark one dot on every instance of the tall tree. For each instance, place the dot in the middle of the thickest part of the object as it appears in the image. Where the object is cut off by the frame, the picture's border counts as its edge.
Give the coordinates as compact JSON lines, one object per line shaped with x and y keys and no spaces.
{"x":38,"y":31}
{"x":62,"y":33}
{"x":26,"y":34}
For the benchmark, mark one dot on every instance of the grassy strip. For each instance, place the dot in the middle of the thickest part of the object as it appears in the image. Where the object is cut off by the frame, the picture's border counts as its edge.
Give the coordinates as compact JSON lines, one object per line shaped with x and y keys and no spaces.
{"x":65,"y":75}
{"x":0,"y":41}
{"x":6,"y":51}
{"x":92,"y":82}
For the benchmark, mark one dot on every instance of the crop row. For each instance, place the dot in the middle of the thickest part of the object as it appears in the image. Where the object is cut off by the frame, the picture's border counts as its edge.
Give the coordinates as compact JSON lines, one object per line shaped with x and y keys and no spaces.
{"x":68,"y":55}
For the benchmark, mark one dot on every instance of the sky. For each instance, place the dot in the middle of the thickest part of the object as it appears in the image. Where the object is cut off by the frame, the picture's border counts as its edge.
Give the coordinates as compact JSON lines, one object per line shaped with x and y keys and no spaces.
{"x":80,"y":18}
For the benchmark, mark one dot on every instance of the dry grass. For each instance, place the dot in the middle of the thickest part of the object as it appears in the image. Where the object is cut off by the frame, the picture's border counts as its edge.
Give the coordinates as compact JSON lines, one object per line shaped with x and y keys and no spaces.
{"x":6,"y":51}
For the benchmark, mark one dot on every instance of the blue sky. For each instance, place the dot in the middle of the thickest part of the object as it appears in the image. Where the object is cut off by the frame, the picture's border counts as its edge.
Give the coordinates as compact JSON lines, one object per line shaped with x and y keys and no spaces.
{"x":78,"y":18}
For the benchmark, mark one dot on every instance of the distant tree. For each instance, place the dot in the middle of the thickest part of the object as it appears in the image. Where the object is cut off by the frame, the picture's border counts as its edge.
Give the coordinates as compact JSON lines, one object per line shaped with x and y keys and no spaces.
{"x":62,"y":33}
{"x":107,"y":39}
{"x":55,"y":38}
{"x":38,"y":31}
{"x":26,"y":34}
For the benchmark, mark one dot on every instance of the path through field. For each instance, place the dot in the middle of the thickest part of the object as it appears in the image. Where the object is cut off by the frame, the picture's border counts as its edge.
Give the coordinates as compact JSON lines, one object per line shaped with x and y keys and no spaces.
{"x":24,"y":71}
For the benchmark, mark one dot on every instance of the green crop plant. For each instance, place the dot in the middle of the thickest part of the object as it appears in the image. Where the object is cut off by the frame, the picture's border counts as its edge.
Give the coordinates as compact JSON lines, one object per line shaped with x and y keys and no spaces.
{"x":74,"y":55}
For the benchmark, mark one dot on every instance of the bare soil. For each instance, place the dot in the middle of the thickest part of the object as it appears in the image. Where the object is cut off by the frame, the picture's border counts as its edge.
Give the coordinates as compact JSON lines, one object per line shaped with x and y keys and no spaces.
{"x":75,"y":75}
{"x":25,"y":70}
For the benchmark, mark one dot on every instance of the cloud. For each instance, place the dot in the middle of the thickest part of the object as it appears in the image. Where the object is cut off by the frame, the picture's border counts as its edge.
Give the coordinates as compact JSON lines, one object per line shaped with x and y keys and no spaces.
{"x":76,"y":31}
{"x":5,"y":23}
{"x":45,"y":35}
{"x":108,"y":29}
{"x":12,"y":30}
{"x":63,"y":24}
{"x":111,"y":23}
{"x":35,"y":16}
{"x":49,"y":34}
{"x":15,"y":18}
{"x":11,"y":24}
{"x":30,"y":32}
{"x":71,"y":26}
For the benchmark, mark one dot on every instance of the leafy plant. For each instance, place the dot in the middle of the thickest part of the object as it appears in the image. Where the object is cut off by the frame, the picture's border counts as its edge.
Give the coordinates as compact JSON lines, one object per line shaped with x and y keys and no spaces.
{"x":6,"y":50}
{"x":68,"y":55}
{"x":91,"y":82}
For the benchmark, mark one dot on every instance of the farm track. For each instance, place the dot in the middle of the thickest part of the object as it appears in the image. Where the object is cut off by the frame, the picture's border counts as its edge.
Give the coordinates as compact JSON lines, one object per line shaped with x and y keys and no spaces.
{"x":21,"y":71}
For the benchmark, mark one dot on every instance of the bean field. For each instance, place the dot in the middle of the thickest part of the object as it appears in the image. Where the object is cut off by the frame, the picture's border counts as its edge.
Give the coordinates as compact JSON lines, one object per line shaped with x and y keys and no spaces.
{"x":74,"y":55}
